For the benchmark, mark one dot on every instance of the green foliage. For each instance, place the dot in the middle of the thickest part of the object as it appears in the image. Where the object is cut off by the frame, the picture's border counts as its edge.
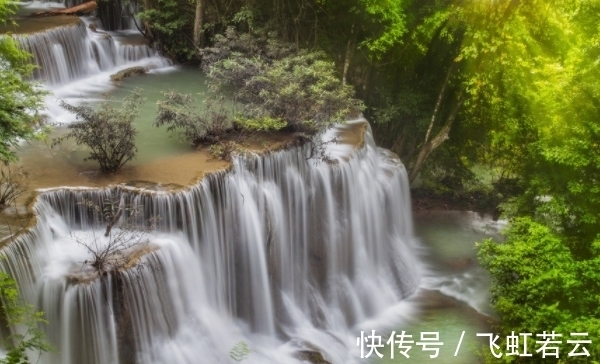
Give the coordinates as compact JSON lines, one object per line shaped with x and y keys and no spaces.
{"x":246,"y":17}
{"x":262,"y":124}
{"x":543,"y":105}
{"x":20,"y":99}
{"x":301,"y":88}
{"x":170,"y":21}
{"x":208,"y":123}
{"x":259,"y":46}
{"x":225,"y":150}
{"x":537,"y":285}
{"x":375,"y":25}
{"x":241,"y":351}
{"x":385,"y":18}
{"x":22,"y":318}
{"x":107,"y":131}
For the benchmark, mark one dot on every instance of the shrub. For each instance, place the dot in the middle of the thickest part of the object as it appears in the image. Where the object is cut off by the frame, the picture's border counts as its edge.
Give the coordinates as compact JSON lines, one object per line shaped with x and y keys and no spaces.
{"x":197,"y":124}
{"x":257,"y":45}
{"x":225,"y":150}
{"x":303,"y":90}
{"x":13,"y":183}
{"x":107,"y":131}
{"x":261,"y":124}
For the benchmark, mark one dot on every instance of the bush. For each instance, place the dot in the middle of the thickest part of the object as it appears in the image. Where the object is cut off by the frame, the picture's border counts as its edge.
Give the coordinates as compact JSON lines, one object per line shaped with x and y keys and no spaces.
{"x":107,"y":131}
{"x":538,"y":285}
{"x":197,"y":124}
{"x":262,"y":124}
{"x":225,"y":150}
{"x":303,"y":90}
{"x":19,"y":314}
{"x":257,"y":45}
{"x":271,"y":80}
{"x":13,"y":184}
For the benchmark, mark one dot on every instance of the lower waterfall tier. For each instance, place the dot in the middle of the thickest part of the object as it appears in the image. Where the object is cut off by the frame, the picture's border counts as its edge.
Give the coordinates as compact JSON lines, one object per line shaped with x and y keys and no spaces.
{"x":280,"y":255}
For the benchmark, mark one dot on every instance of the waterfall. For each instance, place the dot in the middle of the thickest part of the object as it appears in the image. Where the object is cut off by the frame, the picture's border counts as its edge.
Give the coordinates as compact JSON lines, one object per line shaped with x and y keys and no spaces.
{"x":279,"y":252}
{"x":69,"y":53}
{"x":114,"y":14}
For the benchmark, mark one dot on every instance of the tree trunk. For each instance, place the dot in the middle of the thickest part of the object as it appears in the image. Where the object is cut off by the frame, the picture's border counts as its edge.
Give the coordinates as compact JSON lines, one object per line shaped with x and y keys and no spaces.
{"x":199,"y":24}
{"x":147,"y":29}
{"x":438,"y":103}
{"x":430,"y":146}
{"x":349,"y":47}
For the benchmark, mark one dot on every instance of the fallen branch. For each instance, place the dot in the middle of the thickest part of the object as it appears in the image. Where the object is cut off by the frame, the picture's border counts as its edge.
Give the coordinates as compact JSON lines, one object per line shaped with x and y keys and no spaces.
{"x":84,"y":8}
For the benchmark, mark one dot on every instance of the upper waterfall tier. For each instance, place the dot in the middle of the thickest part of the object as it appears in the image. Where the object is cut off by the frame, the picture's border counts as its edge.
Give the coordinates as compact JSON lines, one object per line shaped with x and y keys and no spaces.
{"x":114,"y":14}
{"x":281,"y":252}
{"x":73,"y":52}
{"x":27,"y":25}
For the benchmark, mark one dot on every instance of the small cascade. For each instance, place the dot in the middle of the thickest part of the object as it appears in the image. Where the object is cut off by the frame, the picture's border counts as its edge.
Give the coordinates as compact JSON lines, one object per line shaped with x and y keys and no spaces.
{"x":114,"y":14}
{"x":279,"y":252}
{"x":118,"y":14}
{"x":69,"y":53}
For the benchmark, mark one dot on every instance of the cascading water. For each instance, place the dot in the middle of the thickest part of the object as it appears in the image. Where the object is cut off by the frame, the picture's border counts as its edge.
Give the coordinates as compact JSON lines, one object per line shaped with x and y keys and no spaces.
{"x":279,"y":252}
{"x":70,"y":53}
{"x":114,"y":14}
{"x":76,"y":60}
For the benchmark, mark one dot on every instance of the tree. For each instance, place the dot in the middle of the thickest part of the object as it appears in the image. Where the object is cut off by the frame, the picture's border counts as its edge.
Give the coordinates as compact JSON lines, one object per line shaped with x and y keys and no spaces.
{"x":20,"y":99}
{"x":547,"y":135}
{"x":372,"y":26}
{"x":273,"y":81}
{"x":199,"y":24}
{"x":169,"y":24}
{"x":538,"y":286}
{"x":23,"y":318}
{"x":544,"y":276}
{"x":107,"y":131}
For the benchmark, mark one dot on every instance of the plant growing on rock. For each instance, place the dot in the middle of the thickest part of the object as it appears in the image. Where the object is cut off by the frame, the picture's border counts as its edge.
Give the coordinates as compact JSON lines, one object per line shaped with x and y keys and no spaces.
{"x":125,"y":237}
{"x":107,"y":131}
{"x":13,"y":184}
{"x":225,"y":150}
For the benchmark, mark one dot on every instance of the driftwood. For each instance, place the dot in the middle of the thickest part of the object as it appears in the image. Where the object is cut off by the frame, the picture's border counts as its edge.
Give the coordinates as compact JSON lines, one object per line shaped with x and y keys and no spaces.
{"x":74,"y":10}
{"x":115,"y":218}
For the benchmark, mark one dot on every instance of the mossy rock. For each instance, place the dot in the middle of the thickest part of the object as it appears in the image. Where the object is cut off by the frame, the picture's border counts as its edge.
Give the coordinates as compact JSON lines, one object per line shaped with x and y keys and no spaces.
{"x":128,"y":73}
{"x":311,"y":356}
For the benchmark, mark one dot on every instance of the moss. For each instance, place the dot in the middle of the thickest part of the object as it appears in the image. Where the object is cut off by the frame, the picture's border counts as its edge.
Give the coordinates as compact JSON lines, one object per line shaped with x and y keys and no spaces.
{"x":310,"y":356}
{"x":128,"y":73}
